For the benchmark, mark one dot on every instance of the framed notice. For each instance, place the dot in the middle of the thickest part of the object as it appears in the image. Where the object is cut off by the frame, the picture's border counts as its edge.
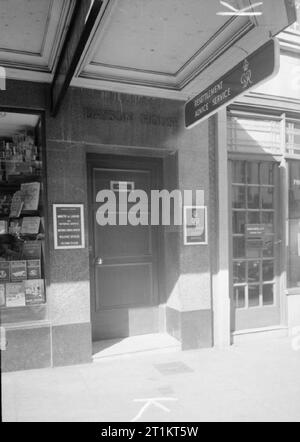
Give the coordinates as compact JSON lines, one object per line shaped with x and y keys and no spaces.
{"x":195,"y":225}
{"x":68,"y":222}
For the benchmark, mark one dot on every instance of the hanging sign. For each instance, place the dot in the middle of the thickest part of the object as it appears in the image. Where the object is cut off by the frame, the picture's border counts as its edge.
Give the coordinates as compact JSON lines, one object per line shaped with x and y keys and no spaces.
{"x":68,"y":221}
{"x":257,"y":67}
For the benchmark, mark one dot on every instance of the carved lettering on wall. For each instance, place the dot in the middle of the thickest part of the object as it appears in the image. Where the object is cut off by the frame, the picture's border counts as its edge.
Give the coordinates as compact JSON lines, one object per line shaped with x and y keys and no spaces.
{"x":152,"y":119}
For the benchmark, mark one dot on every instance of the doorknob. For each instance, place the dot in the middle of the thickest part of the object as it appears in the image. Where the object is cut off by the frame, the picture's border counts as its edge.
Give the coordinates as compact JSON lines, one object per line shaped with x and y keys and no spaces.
{"x":99,"y":261}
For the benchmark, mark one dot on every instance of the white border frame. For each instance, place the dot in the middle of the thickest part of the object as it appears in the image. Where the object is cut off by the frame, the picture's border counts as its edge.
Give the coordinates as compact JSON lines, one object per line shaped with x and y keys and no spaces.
{"x":205,"y":242}
{"x":56,"y":246}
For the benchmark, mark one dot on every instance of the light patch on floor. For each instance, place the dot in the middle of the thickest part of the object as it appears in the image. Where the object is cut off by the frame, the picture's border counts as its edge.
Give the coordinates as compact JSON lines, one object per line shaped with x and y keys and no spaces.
{"x":135,"y":344}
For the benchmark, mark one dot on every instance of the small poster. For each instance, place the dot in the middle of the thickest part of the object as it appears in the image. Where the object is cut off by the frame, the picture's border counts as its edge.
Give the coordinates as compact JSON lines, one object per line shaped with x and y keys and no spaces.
{"x":195,"y":225}
{"x":15,"y":295}
{"x":16,"y":205}
{"x":18,"y":271}
{"x":34,"y":292}
{"x":4,"y":271}
{"x":2,"y":295}
{"x":34,"y":269}
{"x":31,"y":225}
{"x":68,"y":226}
{"x":31,"y":195}
{"x":32,"y":250}
{"x":3,"y":227}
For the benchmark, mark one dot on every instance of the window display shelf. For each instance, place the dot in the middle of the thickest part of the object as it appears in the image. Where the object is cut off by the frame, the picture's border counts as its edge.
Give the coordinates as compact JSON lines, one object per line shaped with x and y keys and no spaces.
{"x":22,"y":228}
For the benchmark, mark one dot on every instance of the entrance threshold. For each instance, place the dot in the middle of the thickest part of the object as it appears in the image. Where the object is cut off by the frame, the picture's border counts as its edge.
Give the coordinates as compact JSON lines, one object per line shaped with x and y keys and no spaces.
{"x":135,"y":344}
{"x":242,"y":336}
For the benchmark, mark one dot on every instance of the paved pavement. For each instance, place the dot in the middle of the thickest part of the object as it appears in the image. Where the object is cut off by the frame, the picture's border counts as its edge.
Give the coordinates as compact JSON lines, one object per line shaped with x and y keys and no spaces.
{"x":257,"y":381}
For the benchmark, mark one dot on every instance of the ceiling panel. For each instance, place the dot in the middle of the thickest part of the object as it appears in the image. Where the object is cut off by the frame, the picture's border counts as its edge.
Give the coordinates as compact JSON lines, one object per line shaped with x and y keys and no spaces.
{"x":32,"y":33}
{"x":30,"y":16}
{"x":157,"y":35}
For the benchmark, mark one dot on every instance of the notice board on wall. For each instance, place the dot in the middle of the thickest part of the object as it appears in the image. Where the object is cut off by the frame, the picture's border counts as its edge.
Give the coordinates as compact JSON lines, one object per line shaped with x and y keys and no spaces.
{"x":68,"y":222}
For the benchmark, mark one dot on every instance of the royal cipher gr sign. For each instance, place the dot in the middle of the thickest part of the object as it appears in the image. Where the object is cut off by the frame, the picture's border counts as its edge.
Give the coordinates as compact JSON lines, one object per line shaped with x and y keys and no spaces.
{"x":257,"y":67}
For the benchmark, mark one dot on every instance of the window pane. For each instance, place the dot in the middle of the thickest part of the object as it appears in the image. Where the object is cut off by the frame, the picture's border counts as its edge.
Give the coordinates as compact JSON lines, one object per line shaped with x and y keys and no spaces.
{"x":268,"y":218}
{"x":268,"y":294}
{"x":253,"y":197}
{"x":239,"y":221}
{"x":238,"y":172}
{"x":267,"y":197}
{"x":253,"y":218}
{"x":253,"y":271}
{"x":252,"y":173}
{"x":253,"y":295}
{"x":267,"y":173}
{"x":268,"y":270}
{"x":239,"y":272}
{"x":238,"y":247}
{"x":239,"y":296}
{"x":268,"y":250}
{"x":238,"y":197}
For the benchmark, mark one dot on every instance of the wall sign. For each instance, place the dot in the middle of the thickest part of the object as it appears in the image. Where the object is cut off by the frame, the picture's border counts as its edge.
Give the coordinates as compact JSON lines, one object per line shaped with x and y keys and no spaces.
{"x":68,"y":221}
{"x":195,"y":225}
{"x":122,"y":186}
{"x":257,"y":67}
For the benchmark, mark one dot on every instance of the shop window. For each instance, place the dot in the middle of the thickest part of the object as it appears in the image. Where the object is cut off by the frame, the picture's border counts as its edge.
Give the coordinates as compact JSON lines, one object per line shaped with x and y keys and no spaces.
{"x":22,"y":219}
{"x":294,"y":225}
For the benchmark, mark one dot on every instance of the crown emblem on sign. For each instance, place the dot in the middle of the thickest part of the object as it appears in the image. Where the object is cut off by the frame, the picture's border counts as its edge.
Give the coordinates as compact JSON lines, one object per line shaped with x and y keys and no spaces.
{"x":246,"y":65}
{"x":246,"y":80}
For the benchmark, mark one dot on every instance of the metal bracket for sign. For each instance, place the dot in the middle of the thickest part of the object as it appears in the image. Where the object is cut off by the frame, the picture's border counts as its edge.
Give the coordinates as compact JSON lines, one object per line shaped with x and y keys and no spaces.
{"x":263,"y":64}
{"x":71,"y":240}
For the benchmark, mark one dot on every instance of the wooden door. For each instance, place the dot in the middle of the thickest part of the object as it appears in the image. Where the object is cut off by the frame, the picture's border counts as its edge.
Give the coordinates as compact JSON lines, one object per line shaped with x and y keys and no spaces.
{"x":124,"y":259}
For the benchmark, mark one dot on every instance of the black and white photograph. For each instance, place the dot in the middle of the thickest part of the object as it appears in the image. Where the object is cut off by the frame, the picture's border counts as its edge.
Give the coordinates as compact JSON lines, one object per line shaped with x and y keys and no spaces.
{"x":149,"y":215}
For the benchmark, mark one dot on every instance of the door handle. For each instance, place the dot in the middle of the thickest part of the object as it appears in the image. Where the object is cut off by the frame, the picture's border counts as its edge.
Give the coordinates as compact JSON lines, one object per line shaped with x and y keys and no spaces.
{"x":98,"y":261}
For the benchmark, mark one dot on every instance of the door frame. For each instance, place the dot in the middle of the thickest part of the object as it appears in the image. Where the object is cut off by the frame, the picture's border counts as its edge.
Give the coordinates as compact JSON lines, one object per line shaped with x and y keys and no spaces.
{"x":129,"y":161}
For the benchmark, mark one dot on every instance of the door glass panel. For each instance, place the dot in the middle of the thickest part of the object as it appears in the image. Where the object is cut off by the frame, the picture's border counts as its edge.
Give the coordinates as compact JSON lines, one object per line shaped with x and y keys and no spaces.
{"x":239,"y":221}
{"x":268,"y":294}
{"x":239,"y":172}
{"x":253,"y":197}
{"x":253,"y":295}
{"x":268,"y":270}
{"x":239,"y":272}
{"x":254,"y":237}
{"x":253,"y":217}
{"x":252,"y":173}
{"x":267,"y":174}
{"x":240,"y":299}
{"x":253,"y":271}
{"x":268,"y":218}
{"x":239,"y":248}
{"x":267,"y":194}
{"x":268,"y":250}
{"x":238,"y":197}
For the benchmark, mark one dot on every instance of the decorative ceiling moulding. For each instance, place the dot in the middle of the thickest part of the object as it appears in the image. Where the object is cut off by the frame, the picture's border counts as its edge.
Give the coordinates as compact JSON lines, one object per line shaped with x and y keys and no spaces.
{"x":229,"y":44}
{"x":214,"y":46}
{"x":57,"y":17}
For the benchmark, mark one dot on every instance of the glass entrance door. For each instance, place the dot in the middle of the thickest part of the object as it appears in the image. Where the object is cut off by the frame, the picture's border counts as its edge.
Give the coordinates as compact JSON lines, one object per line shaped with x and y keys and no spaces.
{"x":255,"y":244}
